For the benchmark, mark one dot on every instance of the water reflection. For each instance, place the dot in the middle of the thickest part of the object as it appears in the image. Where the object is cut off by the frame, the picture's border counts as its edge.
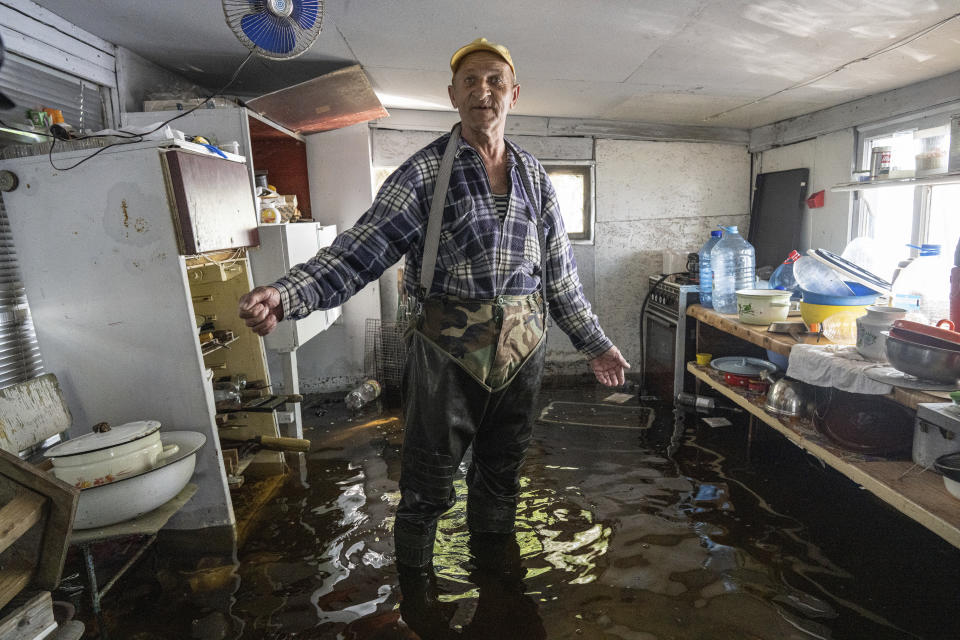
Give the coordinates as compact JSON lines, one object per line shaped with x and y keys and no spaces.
{"x":614,"y":539}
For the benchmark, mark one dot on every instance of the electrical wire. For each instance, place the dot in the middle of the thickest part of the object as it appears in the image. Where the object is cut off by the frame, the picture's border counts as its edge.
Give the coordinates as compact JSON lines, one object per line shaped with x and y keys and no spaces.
{"x":131,"y":137}
{"x":891,"y":47}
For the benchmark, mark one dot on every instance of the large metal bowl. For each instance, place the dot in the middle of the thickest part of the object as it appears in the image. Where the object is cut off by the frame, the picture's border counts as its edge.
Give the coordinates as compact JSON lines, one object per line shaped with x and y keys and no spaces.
{"x":923,"y":361}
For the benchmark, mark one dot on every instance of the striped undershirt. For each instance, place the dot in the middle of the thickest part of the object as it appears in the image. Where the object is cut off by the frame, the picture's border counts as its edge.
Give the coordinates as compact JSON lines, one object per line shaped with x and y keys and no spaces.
{"x":501,"y":202}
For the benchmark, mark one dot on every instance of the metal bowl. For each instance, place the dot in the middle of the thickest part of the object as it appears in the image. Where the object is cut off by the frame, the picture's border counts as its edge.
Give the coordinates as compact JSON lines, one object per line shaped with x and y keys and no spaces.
{"x":787,"y":398}
{"x":923,"y":361}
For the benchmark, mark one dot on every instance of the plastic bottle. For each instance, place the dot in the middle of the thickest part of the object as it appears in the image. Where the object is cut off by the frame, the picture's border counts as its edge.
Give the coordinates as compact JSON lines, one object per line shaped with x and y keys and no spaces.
{"x":362,"y":394}
{"x":923,"y":286}
{"x":734,"y":267}
{"x":782,"y":277}
{"x":706,"y":273}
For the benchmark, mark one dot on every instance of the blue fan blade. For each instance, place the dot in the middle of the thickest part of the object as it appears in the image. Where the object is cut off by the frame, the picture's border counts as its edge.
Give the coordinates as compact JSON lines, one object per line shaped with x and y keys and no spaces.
{"x":305,"y":13}
{"x":268,"y":32}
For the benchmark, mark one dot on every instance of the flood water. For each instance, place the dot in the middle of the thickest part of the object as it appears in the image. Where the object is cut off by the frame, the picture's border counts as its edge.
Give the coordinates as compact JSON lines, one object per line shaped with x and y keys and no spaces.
{"x":618,"y":540}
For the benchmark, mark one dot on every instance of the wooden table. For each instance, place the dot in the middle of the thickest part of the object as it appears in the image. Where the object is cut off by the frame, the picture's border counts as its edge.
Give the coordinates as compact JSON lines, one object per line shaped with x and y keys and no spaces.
{"x":916,"y":493}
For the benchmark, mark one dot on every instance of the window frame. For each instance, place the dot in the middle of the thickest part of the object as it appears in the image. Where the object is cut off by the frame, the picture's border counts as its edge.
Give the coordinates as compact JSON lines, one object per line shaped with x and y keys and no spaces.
{"x":922,"y":193}
{"x":587,"y":169}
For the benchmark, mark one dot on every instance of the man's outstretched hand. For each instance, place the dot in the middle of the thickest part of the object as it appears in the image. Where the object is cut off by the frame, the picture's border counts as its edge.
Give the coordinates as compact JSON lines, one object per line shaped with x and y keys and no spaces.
{"x":609,"y":367}
{"x":261,"y":309}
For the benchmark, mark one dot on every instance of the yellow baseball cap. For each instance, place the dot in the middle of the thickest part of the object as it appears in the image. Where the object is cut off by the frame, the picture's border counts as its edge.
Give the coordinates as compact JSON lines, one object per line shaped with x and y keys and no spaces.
{"x":481,"y":44}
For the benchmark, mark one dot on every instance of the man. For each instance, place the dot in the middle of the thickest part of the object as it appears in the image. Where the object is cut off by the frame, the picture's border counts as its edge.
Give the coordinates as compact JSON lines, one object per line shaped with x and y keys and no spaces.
{"x":476,"y":346}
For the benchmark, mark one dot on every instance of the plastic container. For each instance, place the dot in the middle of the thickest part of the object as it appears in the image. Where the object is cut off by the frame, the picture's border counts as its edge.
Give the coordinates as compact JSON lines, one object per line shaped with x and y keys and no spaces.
{"x":859,"y":295}
{"x":955,"y":287}
{"x":733,"y":262}
{"x":362,"y":394}
{"x":924,"y":286}
{"x":782,"y":277}
{"x":706,"y":273}
{"x":816,"y":277}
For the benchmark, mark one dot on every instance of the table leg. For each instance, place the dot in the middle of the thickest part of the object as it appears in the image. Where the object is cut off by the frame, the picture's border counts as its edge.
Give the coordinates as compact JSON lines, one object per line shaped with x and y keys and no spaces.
{"x":94,"y":588}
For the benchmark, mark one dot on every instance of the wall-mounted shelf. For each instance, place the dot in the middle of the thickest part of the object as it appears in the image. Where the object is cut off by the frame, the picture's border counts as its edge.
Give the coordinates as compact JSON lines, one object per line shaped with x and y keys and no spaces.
{"x":942,"y":178}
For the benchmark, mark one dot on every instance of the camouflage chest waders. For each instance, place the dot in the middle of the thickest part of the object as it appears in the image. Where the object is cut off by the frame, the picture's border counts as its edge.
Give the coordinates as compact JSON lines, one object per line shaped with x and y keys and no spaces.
{"x":472,"y":375}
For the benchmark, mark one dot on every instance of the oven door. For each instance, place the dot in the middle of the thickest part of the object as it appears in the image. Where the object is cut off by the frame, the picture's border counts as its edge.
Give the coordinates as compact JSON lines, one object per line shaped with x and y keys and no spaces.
{"x":660,"y":355}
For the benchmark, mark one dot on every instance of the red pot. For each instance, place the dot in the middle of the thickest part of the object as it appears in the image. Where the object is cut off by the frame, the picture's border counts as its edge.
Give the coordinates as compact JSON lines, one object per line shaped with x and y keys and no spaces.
{"x":736,"y":380}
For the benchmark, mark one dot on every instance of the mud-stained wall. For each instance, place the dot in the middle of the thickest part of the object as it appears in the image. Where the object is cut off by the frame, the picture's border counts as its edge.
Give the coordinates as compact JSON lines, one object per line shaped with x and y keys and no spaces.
{"x":653,"y":196}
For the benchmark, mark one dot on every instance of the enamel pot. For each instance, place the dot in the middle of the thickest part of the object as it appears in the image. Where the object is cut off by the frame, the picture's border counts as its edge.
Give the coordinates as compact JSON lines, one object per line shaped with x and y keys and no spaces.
{"x":109,"y":453}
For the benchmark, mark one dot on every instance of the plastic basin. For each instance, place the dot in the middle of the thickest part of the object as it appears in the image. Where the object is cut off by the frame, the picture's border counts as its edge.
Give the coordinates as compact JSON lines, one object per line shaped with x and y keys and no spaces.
{"x":817,"y":313}
{"x":862,"y":297}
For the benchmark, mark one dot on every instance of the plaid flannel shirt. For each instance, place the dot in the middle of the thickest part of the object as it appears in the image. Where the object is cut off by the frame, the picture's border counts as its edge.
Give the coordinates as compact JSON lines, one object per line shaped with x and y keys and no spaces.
{"x":478,"y":259}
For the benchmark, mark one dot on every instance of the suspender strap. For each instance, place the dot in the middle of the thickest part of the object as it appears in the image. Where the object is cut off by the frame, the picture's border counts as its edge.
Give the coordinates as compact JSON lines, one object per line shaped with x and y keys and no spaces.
{"x":431,"y":242}
{"x":525,"y":178}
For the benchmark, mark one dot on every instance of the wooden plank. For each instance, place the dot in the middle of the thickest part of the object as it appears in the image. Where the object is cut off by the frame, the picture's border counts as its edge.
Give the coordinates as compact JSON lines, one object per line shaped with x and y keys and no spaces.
{"x":63,"y":507}
{"x":18,"y":515}
{"x":31,"y":412}
{"x":918,"y":494}
{"x":782,"y":343}
{"x":34,"y":619}
{"x":14,"y":577}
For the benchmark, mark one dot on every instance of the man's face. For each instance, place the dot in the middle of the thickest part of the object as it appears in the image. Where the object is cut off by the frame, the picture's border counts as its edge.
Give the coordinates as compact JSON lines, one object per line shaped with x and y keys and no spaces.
{"x":483,"y":90}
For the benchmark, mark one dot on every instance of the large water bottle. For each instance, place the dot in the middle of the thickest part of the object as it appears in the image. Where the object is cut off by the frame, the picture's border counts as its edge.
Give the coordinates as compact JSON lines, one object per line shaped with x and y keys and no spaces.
{"x":734,"y":267}
{"x":706,"y":273}
{"x":923,"y":286}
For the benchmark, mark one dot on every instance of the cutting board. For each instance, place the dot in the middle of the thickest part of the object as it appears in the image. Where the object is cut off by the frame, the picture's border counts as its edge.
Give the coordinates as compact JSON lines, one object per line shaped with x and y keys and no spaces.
{"x":31,"y":412}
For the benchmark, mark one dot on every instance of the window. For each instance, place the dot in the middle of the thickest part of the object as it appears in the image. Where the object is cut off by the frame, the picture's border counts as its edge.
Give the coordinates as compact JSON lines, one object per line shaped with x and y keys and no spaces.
{"x":905,"y":214}
{"x":573,"y":182}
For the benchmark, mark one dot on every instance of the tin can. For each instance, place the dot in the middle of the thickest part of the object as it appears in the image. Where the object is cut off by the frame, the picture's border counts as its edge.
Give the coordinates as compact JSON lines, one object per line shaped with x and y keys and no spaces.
{"x":880,"y":162}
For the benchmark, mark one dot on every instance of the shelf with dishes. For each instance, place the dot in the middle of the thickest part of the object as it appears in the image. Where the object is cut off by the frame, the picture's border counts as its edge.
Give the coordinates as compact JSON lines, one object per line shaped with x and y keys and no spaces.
{"x":917,"y":493}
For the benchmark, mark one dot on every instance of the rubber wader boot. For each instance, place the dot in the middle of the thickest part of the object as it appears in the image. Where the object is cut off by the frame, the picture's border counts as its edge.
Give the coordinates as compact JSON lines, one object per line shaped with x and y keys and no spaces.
{"x":419,"y":607}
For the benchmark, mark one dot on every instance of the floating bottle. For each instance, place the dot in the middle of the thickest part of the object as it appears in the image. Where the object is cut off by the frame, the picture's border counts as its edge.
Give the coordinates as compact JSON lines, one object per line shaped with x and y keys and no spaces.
{"x":362,"y":394}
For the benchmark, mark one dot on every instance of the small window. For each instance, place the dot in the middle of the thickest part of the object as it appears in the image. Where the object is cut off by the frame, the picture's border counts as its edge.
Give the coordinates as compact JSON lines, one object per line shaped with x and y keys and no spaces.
{"x":573,"y":182}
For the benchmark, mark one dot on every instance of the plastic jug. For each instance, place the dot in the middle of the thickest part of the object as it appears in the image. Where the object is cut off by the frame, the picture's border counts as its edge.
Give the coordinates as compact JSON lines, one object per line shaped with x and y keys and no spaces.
{"x":734,"y":267}
{"x":362,"y":394}
{"x":706,"y":272}
{"x":923,"y":286}
{"x":783,"y":278}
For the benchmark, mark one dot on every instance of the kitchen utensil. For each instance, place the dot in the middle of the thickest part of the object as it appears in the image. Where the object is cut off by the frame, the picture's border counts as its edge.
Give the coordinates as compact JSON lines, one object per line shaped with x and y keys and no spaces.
{"x":931,"y":363}
{"x":792,"y":328}
{"x":869,"y":425}
{"x":787,"y":397}
{"x":922,"y":338}
{"x":936,"y":432}
{"x":849,"y":271}
{"x":860,"y":295}
{"x":816,"y":277}
{"x":743,"y":366}
{"x":737,"y":380}
{"x":139,"y":493}
{"x":841,"y":328}
{"x":870,"y":340}
{"x":817,"y":313}
{"x":949,"y":466}
{"x":703,"y":359}
{"x":109,"y":453}
{"x":944,"y":330}
{"x":891,"y":376}
{"x":763,"y":306}
{"x":757,"y":386}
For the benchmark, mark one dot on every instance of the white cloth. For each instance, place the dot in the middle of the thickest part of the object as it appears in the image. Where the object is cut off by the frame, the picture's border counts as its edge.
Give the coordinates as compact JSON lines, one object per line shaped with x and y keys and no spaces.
{"x":834,"y":365}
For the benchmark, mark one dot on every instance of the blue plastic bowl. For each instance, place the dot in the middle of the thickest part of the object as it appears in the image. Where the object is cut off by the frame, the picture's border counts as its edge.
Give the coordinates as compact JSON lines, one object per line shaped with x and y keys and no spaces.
{"x":861,"y":296}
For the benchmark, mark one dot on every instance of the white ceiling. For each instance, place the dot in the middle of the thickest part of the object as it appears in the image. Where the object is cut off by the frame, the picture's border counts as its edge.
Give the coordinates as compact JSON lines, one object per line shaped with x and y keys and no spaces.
{"x":655,"y":61}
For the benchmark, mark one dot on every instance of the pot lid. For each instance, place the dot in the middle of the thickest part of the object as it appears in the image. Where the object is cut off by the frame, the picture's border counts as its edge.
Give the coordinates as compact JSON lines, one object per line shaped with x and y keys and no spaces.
{"x":850,"y":271}
{"x":742,"y":366}
{"x":103,"y":437}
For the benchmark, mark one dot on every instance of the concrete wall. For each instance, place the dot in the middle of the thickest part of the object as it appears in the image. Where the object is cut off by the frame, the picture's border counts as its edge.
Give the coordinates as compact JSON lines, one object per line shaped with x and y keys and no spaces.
{"x":830,"y":158}
{"x":339,"y":162}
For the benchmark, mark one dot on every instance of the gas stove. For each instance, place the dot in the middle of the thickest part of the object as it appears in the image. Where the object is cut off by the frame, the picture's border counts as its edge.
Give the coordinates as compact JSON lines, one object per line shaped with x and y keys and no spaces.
{"x":673,"y":295}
